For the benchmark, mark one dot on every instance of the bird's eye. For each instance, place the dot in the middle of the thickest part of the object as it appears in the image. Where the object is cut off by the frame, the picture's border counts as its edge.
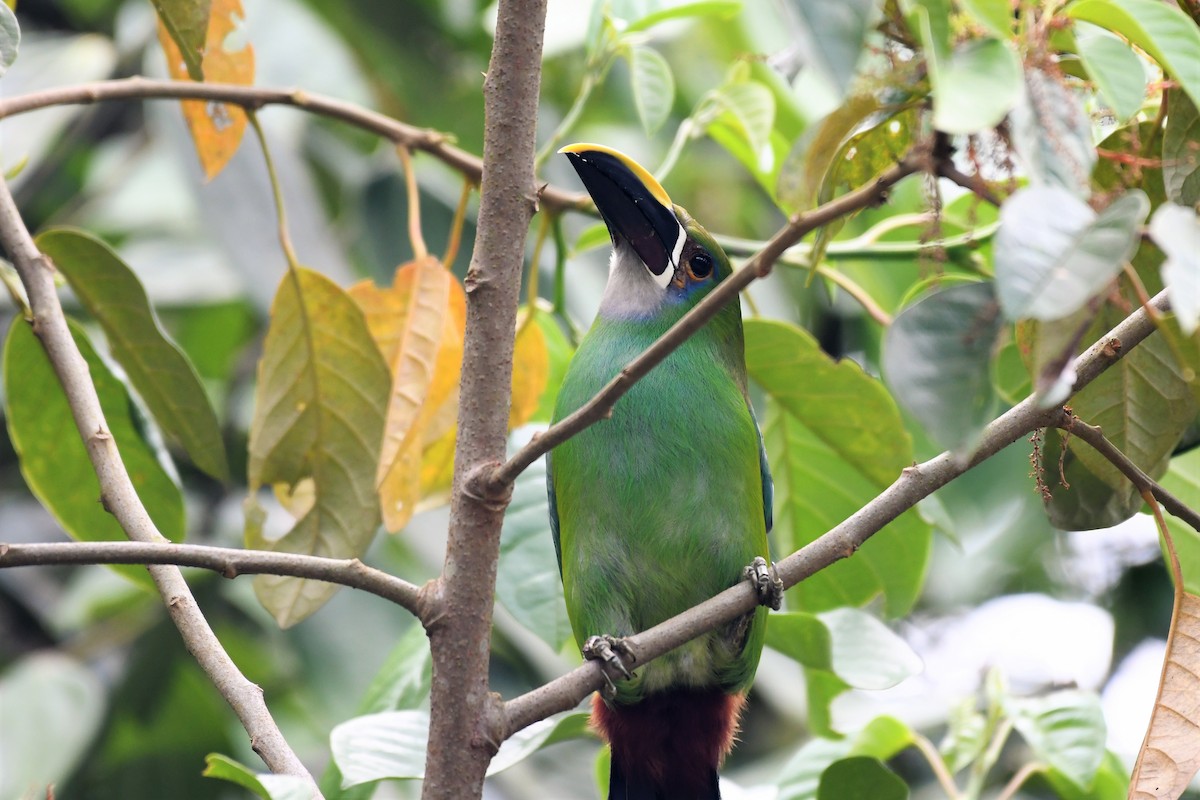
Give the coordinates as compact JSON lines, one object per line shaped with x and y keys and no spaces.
{"x":700,"y":266}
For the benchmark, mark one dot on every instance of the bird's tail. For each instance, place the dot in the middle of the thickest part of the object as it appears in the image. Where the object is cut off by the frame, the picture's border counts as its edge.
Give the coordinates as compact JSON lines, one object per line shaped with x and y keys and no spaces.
{"x":669,"y":745}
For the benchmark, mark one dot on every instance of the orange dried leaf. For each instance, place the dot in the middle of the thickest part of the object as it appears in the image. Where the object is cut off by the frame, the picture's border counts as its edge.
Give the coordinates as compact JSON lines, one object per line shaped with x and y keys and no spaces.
{"x":216,"y":128}
{"x":1170,"y":754}
{"x":531,"y":369}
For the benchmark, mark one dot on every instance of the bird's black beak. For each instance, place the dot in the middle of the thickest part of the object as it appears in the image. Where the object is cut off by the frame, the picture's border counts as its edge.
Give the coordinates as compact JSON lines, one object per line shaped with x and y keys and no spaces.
{"x":633,"y":204}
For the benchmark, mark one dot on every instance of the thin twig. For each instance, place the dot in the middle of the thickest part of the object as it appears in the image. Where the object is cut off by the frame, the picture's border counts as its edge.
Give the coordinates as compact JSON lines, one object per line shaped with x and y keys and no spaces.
{"x":864,"y":299}
{"x":757,"y":266}
{"x":434,"y":143}
{"x":913,"y":484}
{"x":1096,"y":439}
{"x":1018,"y":780}
{"x":119,"y":496}
{"x":227,"y":561}
{"x":972,"y":183}
{"x":938,"y":765}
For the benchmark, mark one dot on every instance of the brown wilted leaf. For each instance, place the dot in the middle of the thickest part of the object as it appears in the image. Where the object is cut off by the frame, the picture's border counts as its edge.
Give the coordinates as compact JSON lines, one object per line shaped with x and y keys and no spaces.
{"x":1170,"y":753}
{"x":216,"y":128}
{"x":418,"y":324}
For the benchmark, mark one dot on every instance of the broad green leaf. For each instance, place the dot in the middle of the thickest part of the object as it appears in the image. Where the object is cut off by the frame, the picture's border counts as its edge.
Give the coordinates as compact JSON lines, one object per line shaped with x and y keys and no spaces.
{"x":263,"y":784}
{"x":53,"y":709}
{"x":835,"y":34}
{"x":966,"y":736}
{"x":216,"y":128}
{"x":976,"y":87}
{"x":186,"y":21}
{"x":749,"y":108}
{"x":1010,"y":376}
{"x":1181,"y":150}
{"x":1176,"y":230}
{"x":815,"y":153}
{"x":1183,"y":480}
{"x":1114,"y":68}
{"x":527,"y":581}
{"x":835,"y":440}
{"x":1053,"y":253}
{"x":318,"y":418}
{"x":401,"y":683}
{"x":936,"y":359}
{"x":653,"y":87}
{"x":595,"y":236}
{"x":701,"y":8}
{"x":391,"y":745}
{"x":1052,"y":134}
{"x":1111,"y":782}
{"x":213,"y":336}
{"x":882,"y":738}
{"x":559,"y":353}
{"x":1064,"y":729}
{"x":860,"y":778}
{"x":160,"y":372}
{"x":995,"y":15}
{"x":52,"y":455}
{"x":10,"y":38}
{"x":1161,"y":29}
{"x":802,"y":637}
{"x":865,"y":652}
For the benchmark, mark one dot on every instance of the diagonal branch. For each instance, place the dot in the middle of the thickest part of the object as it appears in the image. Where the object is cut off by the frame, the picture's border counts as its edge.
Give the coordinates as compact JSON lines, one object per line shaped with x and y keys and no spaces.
{"x":227,"y":561}
{"x":1095,"y":437}
{"x":120,"y":498}
{"x":757,"y":266}
{"x":914,"y":484}
{"x":253,"y":98}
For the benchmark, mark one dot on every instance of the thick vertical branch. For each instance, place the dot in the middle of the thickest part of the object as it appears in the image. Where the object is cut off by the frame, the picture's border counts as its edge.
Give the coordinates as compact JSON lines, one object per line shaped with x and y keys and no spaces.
{"x":119,"y":496}
{"x":460,"y":740}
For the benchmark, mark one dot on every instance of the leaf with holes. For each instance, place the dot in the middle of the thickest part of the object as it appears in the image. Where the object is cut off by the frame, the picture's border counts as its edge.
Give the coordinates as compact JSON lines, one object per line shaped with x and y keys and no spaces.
{"x":318,"y":416}
{"x":835,"y":439}
{"x":158,"y":369}
{"x":216,"y":128}
{"x":52,"y":455}
{"x":186,"y":22}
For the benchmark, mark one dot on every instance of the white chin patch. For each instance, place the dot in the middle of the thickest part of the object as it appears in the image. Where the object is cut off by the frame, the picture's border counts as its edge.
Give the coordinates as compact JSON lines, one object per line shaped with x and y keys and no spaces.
{"x":668,"y":274}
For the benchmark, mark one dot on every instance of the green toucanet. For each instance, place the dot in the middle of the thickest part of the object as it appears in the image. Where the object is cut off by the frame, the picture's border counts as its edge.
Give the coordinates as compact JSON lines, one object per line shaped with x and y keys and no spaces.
{"x":666,"y":503}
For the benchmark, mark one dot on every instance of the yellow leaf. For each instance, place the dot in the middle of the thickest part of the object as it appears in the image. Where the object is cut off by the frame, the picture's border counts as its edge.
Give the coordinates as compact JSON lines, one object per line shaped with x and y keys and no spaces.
{"x":1170,"y":754}
{"x":216,"y":128}
{"x":531,"y":367}
{"x":437,"y":470}
{"x":418,"y":324}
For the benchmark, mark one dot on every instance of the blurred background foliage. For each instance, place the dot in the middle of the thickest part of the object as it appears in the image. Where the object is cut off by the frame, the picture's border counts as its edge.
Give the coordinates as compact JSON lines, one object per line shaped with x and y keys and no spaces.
{"x":1012,"y":619}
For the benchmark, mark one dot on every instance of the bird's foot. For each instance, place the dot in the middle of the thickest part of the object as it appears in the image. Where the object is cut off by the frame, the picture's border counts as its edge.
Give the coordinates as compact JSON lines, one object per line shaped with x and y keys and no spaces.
{"x":766,"y":582}
{"x":612,"y":653}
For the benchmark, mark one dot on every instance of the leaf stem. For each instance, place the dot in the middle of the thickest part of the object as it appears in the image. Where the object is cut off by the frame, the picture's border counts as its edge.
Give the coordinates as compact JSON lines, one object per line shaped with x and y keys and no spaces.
{"x":1018,"y":780}
{"x":285,"y":240}
{"x":937,"y":764}
{"x":456,"y":227}
{"x":415,"y":237}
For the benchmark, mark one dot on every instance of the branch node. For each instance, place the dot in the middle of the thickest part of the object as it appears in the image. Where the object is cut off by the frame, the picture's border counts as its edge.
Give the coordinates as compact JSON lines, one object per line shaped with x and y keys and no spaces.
{"x":1112,"y":348}
{"x":912,"y":471}
{"x":99,"y":436}
{"x":481,"y":486}
{"x":4,"y":548}
{"x":431,"y":604}
{"x":103,"y":500}
{"x":230,"y":571}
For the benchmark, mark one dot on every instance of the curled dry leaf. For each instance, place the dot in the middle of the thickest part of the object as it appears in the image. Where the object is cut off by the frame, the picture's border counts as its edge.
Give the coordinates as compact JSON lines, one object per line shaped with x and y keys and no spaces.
{"x":216,"y":128}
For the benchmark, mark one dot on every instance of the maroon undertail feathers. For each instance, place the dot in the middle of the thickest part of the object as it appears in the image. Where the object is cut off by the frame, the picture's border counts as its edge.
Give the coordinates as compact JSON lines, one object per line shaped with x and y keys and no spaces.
{"x":670,"y":744}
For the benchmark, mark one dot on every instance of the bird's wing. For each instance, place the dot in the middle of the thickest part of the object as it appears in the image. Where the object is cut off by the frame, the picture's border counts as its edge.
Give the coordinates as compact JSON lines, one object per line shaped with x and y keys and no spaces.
{"x":553,"y":501}
{"x":764,"y":468}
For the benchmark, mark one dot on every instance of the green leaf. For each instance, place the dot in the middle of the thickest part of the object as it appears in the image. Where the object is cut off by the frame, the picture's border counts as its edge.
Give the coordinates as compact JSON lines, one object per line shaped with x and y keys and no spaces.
{"x":318,"y":422}
{"x":866,"y":653}
{"x":801,"y":637}
{"x":936,"y":359}
{"x":559,"y":351}
{"x":1065,"y":729}
{"x":653,"y":87}
{"x":749,"y":108}
{"x":882,"y":738}
{"x":1111,"y":782}
{"x":966,"y":736}
{"x":53,"y":458}
{"x":186,"y":22}
{"x":835,"y":34}
{"x":391,"y":745}
{"x":1053,"y":253}
{"x":1161,"y":29}
{"x":158,"y":369}
{"x":995,"y":15}
{"x":1183,"y":480}
{"x":1052,"y":134}
{"x":976,"y":87}
{"x":703,"y":8}
{"x":830,"y":457}
{"x":1114,"y":68}
{"x":53,"y":709}
{"x":816,"y":152}
{"x":527,"y":581}
{"x":595,"y":236}
{"x":1181,"y":150}
{"x":10,"y":38}
{"x":860,"y":778}
{"x":1176,"y":230}
{"x":263,"y":784}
